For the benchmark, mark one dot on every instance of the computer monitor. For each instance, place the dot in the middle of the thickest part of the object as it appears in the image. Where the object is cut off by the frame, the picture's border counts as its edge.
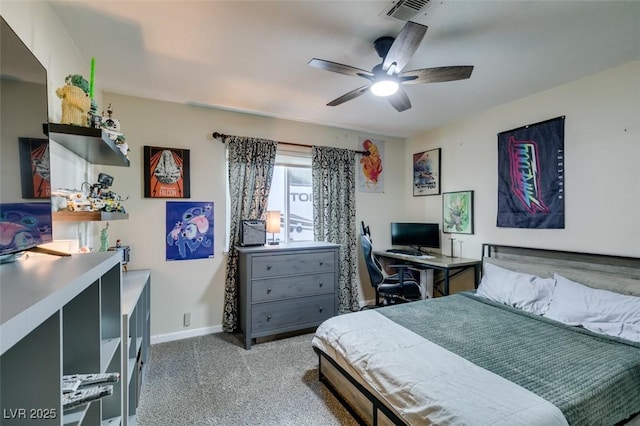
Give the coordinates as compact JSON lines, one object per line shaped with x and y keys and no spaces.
{"x":415,"y":235}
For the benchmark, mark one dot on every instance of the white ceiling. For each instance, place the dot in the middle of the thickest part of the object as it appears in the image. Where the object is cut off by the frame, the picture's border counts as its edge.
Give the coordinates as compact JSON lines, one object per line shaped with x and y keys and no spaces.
{"x":252,"y":56}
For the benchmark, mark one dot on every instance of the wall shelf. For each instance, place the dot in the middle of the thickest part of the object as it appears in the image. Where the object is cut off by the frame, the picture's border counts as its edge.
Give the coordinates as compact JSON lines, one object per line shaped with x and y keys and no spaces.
{"x":91,"y":144}
{"x":88,"y":216}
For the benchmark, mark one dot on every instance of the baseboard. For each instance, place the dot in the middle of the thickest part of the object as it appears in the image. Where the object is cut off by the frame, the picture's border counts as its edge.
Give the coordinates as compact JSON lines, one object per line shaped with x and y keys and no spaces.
{"x":364,"y":303}
{"x":179,"y":335}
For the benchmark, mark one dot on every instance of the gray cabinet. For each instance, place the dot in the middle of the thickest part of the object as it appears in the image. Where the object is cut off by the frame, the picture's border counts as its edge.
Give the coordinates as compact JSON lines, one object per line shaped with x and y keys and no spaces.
{"x":286,"y":287}
{"x":59,"y":316}
{"x":136,"y":319}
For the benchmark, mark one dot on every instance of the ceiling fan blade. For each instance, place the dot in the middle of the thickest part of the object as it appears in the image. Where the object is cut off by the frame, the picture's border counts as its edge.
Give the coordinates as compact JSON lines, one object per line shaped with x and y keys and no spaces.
{"x":340,"y":68}
{"x":348,"y":96}
{"x":436,"y":75}
{"x":404,"y":46}
{"x":400,"y":100}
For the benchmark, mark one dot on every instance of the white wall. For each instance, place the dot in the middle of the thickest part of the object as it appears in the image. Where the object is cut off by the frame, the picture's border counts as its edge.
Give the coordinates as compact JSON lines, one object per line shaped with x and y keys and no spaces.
{"x":43,"y":33}
{"x":197,"y":286}
{"x":601,"y":140}
{"x":602,"y":148}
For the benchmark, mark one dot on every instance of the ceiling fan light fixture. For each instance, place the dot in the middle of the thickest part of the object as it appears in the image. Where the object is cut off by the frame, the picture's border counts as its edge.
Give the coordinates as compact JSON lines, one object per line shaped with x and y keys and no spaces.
{"x":384,"y":87}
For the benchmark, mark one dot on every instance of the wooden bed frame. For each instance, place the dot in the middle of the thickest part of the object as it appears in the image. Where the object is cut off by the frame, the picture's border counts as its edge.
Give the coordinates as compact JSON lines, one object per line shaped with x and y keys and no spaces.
{"x":615,"y":273}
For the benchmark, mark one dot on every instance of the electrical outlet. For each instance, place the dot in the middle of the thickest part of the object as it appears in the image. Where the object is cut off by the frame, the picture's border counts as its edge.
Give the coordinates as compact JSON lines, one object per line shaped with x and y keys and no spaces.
{"x":187,"y":319}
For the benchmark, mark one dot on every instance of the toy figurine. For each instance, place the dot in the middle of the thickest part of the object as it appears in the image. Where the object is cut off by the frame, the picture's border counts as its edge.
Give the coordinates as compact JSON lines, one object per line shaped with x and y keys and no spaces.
{"x":111,"y":125}
{"x":75,"y":100}
{"x":104,"y":238}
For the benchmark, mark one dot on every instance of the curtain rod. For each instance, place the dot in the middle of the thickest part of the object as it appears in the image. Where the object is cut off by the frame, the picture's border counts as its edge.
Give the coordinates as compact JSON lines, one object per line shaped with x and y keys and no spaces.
{"x":222,"y":136}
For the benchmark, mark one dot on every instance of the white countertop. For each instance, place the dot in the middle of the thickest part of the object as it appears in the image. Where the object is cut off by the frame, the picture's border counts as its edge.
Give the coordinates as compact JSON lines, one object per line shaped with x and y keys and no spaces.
{"x":37,"y":285}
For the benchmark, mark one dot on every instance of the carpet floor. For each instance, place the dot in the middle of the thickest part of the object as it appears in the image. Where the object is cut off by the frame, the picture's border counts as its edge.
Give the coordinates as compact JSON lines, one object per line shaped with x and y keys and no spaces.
{"x":213,"y":380}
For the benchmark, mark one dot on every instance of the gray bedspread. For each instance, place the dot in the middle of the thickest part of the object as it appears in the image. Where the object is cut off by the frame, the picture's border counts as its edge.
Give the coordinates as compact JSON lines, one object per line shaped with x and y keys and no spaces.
{"x":592,"y":379}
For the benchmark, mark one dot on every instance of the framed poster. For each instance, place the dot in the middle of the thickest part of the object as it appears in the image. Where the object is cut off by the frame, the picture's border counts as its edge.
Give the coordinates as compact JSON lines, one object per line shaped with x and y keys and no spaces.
{"x":426,"y":173}
{"x":166,"y":172}
{"x":34,"y":168}
{"x":457,"y":212}
{"x":189,"y":230}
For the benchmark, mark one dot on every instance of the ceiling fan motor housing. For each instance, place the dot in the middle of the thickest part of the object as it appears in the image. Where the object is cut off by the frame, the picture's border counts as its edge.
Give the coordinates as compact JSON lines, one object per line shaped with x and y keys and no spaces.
{"x":379,"y":73}
{"x":382,"y":45}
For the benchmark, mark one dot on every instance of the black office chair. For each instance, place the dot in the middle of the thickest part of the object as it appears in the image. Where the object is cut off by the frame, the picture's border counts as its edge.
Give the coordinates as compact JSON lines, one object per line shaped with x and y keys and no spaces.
{"x":390,"y":289}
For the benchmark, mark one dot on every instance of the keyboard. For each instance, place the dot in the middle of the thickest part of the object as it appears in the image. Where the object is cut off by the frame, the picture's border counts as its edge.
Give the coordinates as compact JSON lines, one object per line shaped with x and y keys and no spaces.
{"x":408,"y":252}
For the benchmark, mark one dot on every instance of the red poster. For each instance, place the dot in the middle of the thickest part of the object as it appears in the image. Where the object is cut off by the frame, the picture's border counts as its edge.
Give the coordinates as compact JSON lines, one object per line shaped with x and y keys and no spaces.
{"x":34,"y":168}
{"x":166,"y":172}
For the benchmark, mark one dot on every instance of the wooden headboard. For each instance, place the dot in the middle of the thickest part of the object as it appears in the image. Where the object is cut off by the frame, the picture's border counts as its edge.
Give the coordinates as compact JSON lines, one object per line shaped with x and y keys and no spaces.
{"x":615,"y":273}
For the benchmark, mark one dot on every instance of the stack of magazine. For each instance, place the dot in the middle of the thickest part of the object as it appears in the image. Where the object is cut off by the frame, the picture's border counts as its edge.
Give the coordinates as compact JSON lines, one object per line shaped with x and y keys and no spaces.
{"x":79,"y":389}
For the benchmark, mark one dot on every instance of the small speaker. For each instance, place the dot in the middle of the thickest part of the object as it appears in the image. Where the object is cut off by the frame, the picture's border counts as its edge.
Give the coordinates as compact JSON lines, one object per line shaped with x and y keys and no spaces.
{"x":253,"y":232}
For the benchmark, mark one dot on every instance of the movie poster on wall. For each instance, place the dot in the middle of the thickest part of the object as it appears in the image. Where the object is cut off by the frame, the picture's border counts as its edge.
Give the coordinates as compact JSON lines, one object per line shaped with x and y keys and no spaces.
{"x":531,"y":187}
{"x":166,"y":172}
{"x":189,"y":230}
{"x":371,"y":167}
{"x":426,"y":173}
{"x":34,"y":168}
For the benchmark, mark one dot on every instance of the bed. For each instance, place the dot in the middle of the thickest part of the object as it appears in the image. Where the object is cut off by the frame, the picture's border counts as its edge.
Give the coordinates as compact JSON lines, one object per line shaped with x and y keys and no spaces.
{"x":528,"y":357}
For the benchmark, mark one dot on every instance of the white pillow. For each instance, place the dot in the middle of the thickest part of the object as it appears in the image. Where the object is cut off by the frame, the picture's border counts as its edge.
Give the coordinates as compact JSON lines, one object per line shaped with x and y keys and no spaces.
{"x":576,"y":304}
{"x":524,"y":291}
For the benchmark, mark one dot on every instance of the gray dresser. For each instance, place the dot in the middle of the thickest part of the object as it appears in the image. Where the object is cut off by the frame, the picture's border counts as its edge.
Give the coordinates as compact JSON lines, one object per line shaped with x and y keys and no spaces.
{"x":286,"y":287}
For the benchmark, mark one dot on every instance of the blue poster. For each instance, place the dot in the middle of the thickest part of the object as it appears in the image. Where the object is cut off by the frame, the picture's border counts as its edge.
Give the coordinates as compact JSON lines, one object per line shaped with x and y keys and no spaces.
{"x":531,"y":176}
{"x":189,"y":226}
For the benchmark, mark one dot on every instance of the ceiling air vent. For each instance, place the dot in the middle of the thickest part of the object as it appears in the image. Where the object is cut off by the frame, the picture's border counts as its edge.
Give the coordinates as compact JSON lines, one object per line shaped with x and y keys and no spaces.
{"x":405,"y":10}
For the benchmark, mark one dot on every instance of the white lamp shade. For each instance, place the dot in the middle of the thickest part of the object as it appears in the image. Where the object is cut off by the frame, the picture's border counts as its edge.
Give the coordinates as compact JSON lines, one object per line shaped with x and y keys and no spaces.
{"x":273,"y":221}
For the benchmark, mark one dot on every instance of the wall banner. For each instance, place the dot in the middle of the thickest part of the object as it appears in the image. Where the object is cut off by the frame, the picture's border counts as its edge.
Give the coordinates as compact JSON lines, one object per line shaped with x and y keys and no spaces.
{"x":531,"y":176}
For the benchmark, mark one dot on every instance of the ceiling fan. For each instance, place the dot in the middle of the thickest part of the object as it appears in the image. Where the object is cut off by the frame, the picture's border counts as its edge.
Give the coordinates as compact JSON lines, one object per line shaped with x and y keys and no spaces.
{"x":386,"y":77}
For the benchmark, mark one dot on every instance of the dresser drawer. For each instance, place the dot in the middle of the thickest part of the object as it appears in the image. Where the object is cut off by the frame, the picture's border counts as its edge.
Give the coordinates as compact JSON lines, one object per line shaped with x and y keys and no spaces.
{"x":293,"y":263}
{"x":281,"y":288}
{"x":299,"y":313}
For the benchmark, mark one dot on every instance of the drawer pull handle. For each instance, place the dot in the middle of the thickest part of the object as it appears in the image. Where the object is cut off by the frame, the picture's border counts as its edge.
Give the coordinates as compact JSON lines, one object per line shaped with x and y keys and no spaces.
{"x":269,"y":267}
{"x":321,"y":308}
{"x":269,"y":290}
{"x":268,"y":317}
{"x":320,"y":283}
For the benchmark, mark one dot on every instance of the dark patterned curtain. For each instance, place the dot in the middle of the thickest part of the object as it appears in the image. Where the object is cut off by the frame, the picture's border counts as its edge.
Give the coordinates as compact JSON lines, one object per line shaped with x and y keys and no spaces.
{"x":333,"y":172}
{"x":251,"y":163}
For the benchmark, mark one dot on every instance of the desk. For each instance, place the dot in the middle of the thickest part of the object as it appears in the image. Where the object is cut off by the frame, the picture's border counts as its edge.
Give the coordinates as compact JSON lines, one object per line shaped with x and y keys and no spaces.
{"x":441,"y":263}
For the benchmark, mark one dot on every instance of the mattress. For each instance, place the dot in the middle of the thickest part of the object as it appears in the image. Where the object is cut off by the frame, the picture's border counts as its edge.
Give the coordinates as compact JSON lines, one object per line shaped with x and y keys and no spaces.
{"x":445,"y":359}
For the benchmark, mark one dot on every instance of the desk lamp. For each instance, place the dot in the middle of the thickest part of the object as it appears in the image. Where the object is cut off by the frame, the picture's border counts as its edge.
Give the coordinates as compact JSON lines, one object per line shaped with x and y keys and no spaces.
{"x":273,"y":224}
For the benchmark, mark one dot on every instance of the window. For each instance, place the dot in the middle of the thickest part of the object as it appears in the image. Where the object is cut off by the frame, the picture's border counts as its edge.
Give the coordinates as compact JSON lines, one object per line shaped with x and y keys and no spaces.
{"x":291,"y":194}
